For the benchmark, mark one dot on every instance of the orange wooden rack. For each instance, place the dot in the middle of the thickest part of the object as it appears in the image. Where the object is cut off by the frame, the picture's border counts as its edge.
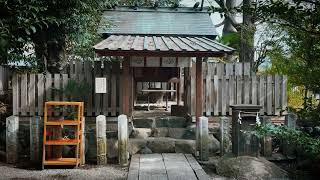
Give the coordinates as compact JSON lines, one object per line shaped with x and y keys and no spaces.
{"x":52,"y":135}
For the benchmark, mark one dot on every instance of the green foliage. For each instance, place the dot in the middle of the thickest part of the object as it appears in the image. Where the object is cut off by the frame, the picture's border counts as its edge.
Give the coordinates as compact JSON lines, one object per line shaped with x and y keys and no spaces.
{"x":77,"y":91}
{"x":305,"y":144}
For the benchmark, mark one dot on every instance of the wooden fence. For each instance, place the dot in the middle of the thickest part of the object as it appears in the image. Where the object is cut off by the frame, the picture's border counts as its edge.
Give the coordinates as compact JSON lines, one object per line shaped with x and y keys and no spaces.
{"x":224,"y":85}
{"x":30,"y":91}
{"x":4,"y":79}
{"x":220,"y":92}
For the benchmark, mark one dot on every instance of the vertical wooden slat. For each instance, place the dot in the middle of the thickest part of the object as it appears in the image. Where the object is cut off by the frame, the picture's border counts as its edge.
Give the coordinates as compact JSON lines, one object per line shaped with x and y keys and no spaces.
{"x":231,"y":92}
{"x":15,"y":94}
{"x":56,"y":87}
{"x":223,"y":96}
{"x":113,"y":95}
{"x":199,"y":89}
{"x":246,"y":69}
{"x":125,"y":81}
{"x":216,"y":95}
{"x":40,"y":94}
{"x":209,"y":93}
{"x":88,"y":76}
{"x":97,"y":97}
{"x":239,"y":89}
{"x":32,"y":94}
{"x":65,"y":80}
{"x":105,"y":102}
{"x":284,"y":97}
{"x":220,"y":69}
{"x":24,"y":95}
{"x":262,"y":93}
{"x":269,"y":95}
{"x":254,"y":89}
{"x":229,"y":69}
{"x":193,"y":89}
{"x":246,"y":90}
{"x":78,"y":67}
{"x":277,"y":95}
{"x":238,"y":69}
{"x":48,"y":87}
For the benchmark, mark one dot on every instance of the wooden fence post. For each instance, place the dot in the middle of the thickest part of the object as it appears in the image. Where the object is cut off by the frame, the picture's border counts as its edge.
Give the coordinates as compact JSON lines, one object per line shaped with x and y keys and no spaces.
{"x":224,"y":135}
{"x":101,"y":140}
{"x":123,"y":140}
{"x":12,"y":129}
{"x":203,"y":138}
{"x":266,"y":143}
{"x":35,"y":134}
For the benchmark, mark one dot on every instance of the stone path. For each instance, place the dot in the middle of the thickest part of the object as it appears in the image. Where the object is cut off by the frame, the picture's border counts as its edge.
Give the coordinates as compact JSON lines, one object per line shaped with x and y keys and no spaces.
{"x":165,"y":167}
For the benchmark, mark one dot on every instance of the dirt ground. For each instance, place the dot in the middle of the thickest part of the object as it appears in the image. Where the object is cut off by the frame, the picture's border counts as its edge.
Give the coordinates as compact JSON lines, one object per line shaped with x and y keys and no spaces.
{"x":82,"y":173}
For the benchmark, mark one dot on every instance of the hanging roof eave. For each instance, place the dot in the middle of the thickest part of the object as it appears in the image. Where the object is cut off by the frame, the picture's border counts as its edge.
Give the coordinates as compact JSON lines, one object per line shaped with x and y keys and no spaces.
{"x":161,"y":46}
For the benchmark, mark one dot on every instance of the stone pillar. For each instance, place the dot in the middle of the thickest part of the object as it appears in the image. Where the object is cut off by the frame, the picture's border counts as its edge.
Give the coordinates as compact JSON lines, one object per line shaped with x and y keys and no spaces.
{"x":203,"y":139}
{"x":266,"y":142}
{"x":101,"y":140}
{"x":12,"y":129}
{"x":224,"y":135}
{"x":35,"y":139}
{"x":123,"y":140}
{"x":291,"y":122}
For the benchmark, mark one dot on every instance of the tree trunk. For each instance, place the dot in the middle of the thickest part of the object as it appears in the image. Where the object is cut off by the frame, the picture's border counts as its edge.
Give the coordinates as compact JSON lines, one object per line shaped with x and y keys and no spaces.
{"x":247,"y":34}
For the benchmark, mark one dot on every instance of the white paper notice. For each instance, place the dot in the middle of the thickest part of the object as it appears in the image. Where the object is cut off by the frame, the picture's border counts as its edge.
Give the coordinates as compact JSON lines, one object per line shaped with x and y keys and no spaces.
{"x":101,"y":85}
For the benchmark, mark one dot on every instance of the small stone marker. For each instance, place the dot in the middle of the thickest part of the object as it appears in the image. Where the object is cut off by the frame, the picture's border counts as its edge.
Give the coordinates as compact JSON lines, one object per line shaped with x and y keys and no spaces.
{"x":224,"y":135}
{"x":266,"y":143}
{"x":101,"y":140}
{"x":123,"y":140}
{"x":290,"y":122}
{"x":35,"y":125}
{"x":12,"y":129}
{"x":203,"y":139}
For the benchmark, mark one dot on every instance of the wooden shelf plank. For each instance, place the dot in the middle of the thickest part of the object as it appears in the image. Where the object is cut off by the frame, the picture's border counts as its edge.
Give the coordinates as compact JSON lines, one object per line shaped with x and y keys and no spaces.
{"x":64,"y":103}
{"x":61,"y":122}
{"x":61,"y":161}
{"x":62,"y":142}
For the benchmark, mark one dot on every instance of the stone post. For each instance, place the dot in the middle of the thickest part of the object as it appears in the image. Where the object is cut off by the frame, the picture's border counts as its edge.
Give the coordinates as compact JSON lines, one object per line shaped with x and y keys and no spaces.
{"x":123,"y":140}
{"x":35,"y":142}
{"x":101,"y":140}
{"x":290,"y":122}
{"x":12,"y":129}
{"x":224,"y":135}
{"x":266,"y":142}
{"x":203,"y":138}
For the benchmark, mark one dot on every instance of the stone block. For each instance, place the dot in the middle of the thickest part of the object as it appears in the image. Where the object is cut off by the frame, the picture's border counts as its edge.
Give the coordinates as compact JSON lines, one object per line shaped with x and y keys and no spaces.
{"x":141,"y":133}
{"x":171,"y":121}
{"x":143,"y":123}
{"x":161,"y":145}
{"x":135,"y":145}
{"x":160,"y":132}
{"x":214,"y":145}
{"x":185,"y":146}
{"x":177,"y":133}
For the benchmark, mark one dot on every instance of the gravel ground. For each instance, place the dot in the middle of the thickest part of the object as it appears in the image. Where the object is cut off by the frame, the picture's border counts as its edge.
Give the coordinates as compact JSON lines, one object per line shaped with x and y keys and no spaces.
{"x":82,"y":173}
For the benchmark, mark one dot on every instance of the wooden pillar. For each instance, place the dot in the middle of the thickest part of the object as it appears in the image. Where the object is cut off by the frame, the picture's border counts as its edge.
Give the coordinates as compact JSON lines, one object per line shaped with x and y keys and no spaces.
{"x":125,"y":86}
{"x":199,"y":86}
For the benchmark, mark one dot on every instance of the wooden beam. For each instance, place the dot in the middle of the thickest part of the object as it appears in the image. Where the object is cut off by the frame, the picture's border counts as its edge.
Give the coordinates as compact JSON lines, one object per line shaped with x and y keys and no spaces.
{"x":125,"y":86}
{"x":199,"y":87}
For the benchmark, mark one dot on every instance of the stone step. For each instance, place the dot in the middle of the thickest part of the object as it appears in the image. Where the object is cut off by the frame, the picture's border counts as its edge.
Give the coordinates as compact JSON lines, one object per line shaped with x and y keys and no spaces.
{"x":177,"y":133}
{"x":157,"y":122}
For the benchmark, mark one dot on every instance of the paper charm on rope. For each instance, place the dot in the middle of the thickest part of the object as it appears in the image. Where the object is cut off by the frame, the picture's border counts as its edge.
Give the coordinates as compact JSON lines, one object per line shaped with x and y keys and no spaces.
{"x":239,"y":118}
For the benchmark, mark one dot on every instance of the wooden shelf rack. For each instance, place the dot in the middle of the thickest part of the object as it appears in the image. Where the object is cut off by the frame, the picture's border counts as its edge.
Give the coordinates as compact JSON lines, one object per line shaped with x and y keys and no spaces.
{"x":53,"y":139}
